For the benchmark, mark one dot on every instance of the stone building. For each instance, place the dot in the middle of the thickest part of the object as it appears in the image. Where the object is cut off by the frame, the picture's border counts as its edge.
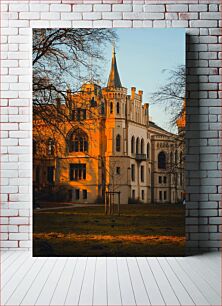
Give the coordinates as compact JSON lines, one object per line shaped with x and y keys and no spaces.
{"x":108,"y":143}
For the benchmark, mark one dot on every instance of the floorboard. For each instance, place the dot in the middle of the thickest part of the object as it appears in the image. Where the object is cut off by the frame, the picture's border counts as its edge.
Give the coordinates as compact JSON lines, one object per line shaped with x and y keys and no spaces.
{"x":63,"y":284}
{"x":86,"y":293}
{"x":48,"y":290}
{"x":153,"y":289}
{"x":73,"y":293}
{"x":140,"y":291}
{"x":193,"y":280}
{"x":167,"y":291}
{"x":113,"y":284}
{"x":180,"y":291}
{"x":127,"y":292}
{"x":188,"y":282}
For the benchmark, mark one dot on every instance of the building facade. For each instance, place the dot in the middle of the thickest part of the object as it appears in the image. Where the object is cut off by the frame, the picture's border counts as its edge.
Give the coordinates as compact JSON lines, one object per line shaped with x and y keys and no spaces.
{"x":102,"y":139}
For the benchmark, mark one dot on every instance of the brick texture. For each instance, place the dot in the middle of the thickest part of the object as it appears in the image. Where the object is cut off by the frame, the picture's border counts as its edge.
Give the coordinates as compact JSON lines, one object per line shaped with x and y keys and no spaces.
{"x":201,"y":18}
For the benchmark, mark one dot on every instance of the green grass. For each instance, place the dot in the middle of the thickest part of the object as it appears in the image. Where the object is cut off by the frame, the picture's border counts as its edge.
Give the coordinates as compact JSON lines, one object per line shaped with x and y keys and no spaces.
{"x":140,"y":230}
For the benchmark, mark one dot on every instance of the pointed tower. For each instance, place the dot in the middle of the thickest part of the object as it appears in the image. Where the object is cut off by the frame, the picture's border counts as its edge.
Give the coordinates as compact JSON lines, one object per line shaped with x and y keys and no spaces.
{"x":114,"y":79}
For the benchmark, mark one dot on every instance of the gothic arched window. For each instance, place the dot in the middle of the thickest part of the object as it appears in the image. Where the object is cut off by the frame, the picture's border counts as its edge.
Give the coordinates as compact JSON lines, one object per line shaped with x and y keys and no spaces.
{"x":137,"y":145}
{"x":162,"y":160}
{"x":118,"y":140}
{"x":133,"y":145}
{"x":78,"y":141}
{"x":142,"y":146}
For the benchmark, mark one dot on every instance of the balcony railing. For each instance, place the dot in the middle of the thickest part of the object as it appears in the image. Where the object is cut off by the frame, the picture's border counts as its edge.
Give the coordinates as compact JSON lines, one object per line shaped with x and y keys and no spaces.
{"x":141,"y":157}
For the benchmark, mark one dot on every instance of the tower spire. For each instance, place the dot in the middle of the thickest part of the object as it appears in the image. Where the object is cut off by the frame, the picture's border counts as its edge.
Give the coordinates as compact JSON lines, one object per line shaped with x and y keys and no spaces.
{"x":114,"y":79}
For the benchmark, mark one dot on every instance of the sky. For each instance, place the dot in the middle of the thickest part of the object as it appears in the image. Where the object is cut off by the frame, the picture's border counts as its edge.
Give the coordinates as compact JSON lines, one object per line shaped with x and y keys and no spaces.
{"x":142,"y":55}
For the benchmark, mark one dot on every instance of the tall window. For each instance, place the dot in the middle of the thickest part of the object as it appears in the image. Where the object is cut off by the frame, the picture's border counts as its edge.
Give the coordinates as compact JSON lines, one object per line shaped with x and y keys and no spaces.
{"x":77,"y":172}
{"x":78,"y":141}
{"x":181,"y":179}
{"x":142,"y":146}
{"x":176,"y":157}
{"x":133,"y":173}
{"x":165,"y":195}
{"x":181,"y":157}
{"x":118,"y":140}
{"x":142,"y":194}
{"x":171,"y":158}
{"x":142,"y":173}
{"x":137,"y":145}
{"x":50,"y":146}
{"x":148,"y":150}
{"x":132,"y":145}
{"x":111,"y":107}
{"x":162,"y":160}
{"x":117,"y":108}
{"x":160,"y":195}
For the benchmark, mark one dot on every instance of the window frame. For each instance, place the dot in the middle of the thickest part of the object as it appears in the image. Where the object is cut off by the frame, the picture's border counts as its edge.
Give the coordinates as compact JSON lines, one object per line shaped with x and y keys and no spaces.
{"x":77,"y":172}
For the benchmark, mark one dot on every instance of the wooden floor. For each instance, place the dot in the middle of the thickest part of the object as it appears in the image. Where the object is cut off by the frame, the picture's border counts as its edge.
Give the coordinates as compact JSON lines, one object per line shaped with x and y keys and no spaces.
{"x":110,"y":281}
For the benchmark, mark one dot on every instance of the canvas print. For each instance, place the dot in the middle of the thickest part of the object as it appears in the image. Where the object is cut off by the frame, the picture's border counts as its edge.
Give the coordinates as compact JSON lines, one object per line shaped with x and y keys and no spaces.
{"x":109,"y":115}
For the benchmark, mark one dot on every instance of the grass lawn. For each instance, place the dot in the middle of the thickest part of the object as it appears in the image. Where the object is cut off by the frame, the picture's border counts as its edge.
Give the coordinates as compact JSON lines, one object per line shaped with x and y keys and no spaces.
{"x":140,"y":230}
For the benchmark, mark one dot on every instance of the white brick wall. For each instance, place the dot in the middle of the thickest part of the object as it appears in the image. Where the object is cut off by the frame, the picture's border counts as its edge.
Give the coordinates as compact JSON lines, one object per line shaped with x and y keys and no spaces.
{"x":202,"y":20}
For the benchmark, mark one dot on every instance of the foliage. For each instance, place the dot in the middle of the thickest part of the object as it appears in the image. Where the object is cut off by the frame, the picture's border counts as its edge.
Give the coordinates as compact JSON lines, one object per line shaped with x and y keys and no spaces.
{"x":63,"y":55}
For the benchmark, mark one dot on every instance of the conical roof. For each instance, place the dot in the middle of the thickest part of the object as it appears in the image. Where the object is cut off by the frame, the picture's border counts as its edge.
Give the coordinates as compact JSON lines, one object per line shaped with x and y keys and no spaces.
{"x":114,"y":79}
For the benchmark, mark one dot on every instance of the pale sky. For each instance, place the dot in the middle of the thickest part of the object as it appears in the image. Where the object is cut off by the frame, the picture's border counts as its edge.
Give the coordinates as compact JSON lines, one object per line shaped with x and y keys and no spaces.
{"x":141,"y":55}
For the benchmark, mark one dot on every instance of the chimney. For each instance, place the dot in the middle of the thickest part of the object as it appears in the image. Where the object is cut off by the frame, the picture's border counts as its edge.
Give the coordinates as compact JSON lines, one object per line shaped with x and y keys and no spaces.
{"x":140,"y":93}
{"x":133,"y":90}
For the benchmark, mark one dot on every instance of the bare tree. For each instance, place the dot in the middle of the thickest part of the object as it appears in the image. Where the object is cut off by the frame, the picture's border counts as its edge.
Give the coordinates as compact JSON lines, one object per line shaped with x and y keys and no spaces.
{"x":172,"y":94}
{"x":62,"y":57}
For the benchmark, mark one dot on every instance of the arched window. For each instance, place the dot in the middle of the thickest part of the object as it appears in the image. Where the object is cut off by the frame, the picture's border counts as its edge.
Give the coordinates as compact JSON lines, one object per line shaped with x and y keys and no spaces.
{"x":51,"y":146}
{"x":78,"y":141}
{"x":142,"y":146}
{"x":148,"y":150}
{"x":137,"y":145}
{"x":133,"y":145}
{"x":176,"y":157}
{"x":162,"y":160}
{"x":117,"y":108}
{"x":111,"y":107}
{"x":118,"y":140}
